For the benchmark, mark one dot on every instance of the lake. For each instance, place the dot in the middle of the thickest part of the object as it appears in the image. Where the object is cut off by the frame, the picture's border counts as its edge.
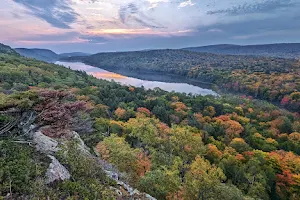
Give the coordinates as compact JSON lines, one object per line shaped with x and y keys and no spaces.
{"x":148,"y":80}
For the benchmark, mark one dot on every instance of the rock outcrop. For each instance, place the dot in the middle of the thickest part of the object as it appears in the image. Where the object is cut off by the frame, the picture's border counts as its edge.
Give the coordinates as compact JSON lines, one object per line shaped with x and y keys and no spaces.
{"x":56,"y":171}
{"x":44,"y":143}
{"x":81,"y":145}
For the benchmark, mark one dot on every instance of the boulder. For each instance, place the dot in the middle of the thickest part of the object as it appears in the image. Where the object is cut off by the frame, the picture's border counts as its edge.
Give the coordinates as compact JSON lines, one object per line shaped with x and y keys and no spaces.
{"x":56,"y":171}
{"x":44,"y":143}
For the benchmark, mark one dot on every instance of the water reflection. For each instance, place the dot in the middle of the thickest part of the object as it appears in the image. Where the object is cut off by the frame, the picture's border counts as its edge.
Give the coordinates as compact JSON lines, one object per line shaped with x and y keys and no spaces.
{"x":107,"y":75}
{"x":125,"y":80}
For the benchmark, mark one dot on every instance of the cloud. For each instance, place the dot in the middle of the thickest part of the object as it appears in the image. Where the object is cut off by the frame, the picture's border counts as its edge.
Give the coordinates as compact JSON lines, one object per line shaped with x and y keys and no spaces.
{"x":16,"y":15}
{"x":53,"y":38}
{"x":267,"y":34}
{"x":284,"y":27}
{"x":129,"y":33}
{"x":134,"y":24}
{"x":132,"y":14}
{"x":186,"y":3}
{"x":94,"y":39}
{"x":261,"y":7}
{"x":215,"y":30}
{"x":58,"y":13}
{"x":126,"y":11}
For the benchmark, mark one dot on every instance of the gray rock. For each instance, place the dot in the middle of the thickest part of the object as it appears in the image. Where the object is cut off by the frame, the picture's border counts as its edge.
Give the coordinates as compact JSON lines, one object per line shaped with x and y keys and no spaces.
{"x":148,"y":196}
{"x":56,"y":171}
{"x":118,"y":192}
{"x":44,"y":143}
{"x":131,"y":191}
{"x":81,"y":145}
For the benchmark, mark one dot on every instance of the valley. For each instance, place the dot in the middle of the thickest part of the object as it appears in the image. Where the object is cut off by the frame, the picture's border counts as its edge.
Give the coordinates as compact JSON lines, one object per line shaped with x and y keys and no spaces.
{"x":273,"y":79}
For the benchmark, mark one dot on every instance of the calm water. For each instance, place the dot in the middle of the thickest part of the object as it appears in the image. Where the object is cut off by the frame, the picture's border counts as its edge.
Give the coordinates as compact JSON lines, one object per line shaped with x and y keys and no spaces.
{"x":172,"y":84}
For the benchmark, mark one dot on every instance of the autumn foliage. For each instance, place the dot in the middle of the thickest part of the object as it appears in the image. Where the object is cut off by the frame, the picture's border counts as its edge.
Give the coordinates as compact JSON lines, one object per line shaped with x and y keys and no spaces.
{"x":144,"y":111}
{"x":57,"y":111}
{"x":232,"y":128}
{"x":143,"y":164}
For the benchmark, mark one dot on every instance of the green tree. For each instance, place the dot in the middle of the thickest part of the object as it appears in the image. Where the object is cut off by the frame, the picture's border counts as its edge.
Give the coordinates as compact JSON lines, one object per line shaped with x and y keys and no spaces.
{"x":159,"y":183}
{"x":203,"y":180}
{"x":186,"y":142}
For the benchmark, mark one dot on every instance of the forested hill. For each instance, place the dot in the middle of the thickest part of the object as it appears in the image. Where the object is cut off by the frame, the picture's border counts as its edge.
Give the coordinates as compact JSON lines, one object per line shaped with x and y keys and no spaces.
{"x":272,"y":79}
{"x":100,"y":137}
{"x":62,"y":55}
{"x":284,"y":50}
{"x":182,"y":61}
{"x":7,"y":49}
{"x":46,"y":54}
{"x":39,"y":54}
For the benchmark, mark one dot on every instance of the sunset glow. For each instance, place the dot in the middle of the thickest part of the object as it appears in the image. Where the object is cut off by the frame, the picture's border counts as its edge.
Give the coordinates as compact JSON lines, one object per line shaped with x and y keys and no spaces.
{"x":106,"y":75}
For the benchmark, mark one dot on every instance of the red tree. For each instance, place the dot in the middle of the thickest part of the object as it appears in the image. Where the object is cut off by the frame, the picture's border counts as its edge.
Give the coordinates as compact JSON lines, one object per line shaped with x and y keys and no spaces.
{"x":56,"y":111}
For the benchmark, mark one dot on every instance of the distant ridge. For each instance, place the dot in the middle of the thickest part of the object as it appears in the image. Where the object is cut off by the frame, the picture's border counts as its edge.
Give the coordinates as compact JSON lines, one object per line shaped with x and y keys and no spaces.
{"x":282,"y":50}
{"x":46,"y":54}
{"x":73,"y":54}
{"x":7,"y":49}
{"x":39,"y":54}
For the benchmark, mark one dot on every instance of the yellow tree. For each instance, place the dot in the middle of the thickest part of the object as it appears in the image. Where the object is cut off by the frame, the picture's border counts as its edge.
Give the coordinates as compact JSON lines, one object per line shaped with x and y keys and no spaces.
{"x":186,"y":143}
{"x":202,"y":181}
{"x":209,"y":111}
{"x":117,"y":151}
{"x":145,"y":129}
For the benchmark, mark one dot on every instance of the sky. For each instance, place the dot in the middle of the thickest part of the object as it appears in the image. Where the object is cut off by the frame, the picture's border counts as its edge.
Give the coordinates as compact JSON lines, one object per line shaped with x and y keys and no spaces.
{"x":125,"y":25}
